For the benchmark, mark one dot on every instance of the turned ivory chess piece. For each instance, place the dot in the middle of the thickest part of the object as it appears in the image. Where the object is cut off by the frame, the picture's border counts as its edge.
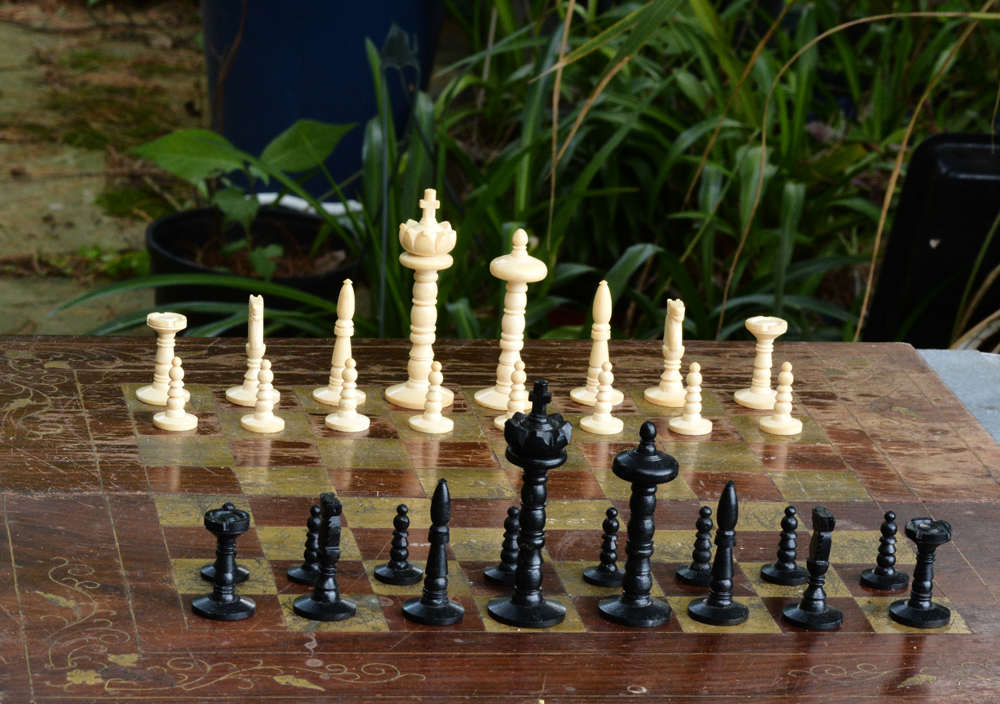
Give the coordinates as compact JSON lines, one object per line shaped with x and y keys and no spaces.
{"x":518,"y":269}
{"x":346,"y":419}
{"x":431,"y":421}
{"x":427,"y":244}
{"x":175,"y":418}
{"x":760,"y":395}
{"x":246,"y":394}
{"x":518,"y":399}
{"x":329,"y":395}
{"x":602,"y":422}
{"x":670,"y":391}
{"x":600,"y":333}
{"x":263,"y":420}
{"x":166,"y":325}
{"x":781,"y":421}
{"x":691,"y":422}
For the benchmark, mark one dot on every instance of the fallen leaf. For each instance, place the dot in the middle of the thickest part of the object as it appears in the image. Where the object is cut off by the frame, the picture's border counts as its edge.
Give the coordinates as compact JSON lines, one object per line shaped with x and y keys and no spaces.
{"x":58,"y":600}
{"x":915,"y":680}
{"x":293,"y":681}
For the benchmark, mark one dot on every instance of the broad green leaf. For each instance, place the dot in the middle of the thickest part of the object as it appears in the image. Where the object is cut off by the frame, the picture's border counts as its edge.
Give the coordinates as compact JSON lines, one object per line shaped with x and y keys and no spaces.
{"x":304,"y":145}
{"x":465,"y":321}
{"x":566,"y":272}
{"x":194,"y":155}
{"x":792,"y":199}
{"x":619,"y":274}
{"x":236,"y":207}
{"x":263,"y":259}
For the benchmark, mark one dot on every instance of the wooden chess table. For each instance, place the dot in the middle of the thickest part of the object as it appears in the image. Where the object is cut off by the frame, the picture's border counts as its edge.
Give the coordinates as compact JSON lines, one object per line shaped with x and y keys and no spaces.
{"x":103,"y":531}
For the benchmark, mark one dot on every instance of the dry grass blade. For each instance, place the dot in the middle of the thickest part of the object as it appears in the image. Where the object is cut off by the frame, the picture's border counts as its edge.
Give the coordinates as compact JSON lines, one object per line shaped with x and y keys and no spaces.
{"x":589,"y":103}
{"x":556,"y":87}
{"x":978,"y":334}
{"x":978,"y":298}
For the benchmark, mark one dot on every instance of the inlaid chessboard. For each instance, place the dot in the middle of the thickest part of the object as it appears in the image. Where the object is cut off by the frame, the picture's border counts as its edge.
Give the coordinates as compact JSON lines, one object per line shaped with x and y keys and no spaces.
{"x":104,"y":520}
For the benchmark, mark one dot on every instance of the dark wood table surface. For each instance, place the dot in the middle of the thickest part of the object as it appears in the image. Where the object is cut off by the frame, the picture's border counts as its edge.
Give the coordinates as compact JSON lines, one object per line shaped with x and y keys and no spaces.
{"x":100,"y":510}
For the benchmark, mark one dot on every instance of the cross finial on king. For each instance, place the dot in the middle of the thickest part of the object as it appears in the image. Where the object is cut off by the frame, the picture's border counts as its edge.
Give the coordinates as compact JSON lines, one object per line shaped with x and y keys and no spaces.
{"x":540,"y":398}
{"x":430,"y":204}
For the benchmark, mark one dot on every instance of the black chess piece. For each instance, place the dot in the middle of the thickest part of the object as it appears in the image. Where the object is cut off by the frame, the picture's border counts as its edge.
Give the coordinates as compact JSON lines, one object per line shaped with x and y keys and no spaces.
{"x":433,"y":607}
{"x":784,"y":571}
{"x":503,"y":573}
{"x":645,"y":468}
{"x":719,"y":608}
{"x":208,"y":571}
{"x":398,"y":571}
{"x":886,"y":577}
{"x":813,"y":613}
{"x":536,"y":442}
{"x":607,"y":573}
{"x":919,"y":611}
{"x":307,"y":572}
{"x":325,"y":603}
{"x":699,"y":572}
{"x":223,"y":604}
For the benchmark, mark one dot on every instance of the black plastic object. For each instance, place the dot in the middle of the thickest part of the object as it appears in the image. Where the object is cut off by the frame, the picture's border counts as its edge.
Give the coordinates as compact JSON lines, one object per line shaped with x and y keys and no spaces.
{"x":398,"y":571}
{"x":645,"y":468}
{"x":503,"y":572}
{"x":813,"y":613}
{"x":719,"y":608}
{"x":784,"y":571}
{"x":223,"y":604}
{"x":919,"y":611}
{"x":433,"y":607}
{"x":949,"y":201}
{"x":885,"y":577}
{"x":325,"y":603}
{"x":607,"y":573}
{"x":307,"y":572}
{"x":699,"y":572}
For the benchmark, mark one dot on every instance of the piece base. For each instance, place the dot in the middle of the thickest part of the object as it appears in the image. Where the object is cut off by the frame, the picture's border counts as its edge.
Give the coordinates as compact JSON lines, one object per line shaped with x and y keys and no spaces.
{"x":602,"y":427}
{"x":655,"y":613}
{"x":667,"y":399}
{"x":242,"y":397}
{"x":446,"y":614}
{"x":732,"y":615}
{"x":398,"y":578}
{"x":748,"y":398}
{"x":358,"y":424}
{"x":769,"y":425}
{"x":491,"y":398}
{"x":702,"y":426}
{"x":236,"y":610}
{"x":588,"y":398}
{"x":694,"y":578}
{"x":208,"y":573}
{"x":826,"y":620}
{"x":937,"y":616}
{"x":164,"y":422}
{"x":274,"y":424}
{"x":300,"y":575}
{"x":436,"y":426}
{"x":331,"y":397}
{"x":157,"y":397}
{"x":498,"y":575}
{"x":500,"y":422}
{"x":885,"y":583}
{"x":405,"y":396}
{"x":307,"y":607}
{"x":786,"y":578}
{"x":546,"y":614}
{"x":595,"y":576}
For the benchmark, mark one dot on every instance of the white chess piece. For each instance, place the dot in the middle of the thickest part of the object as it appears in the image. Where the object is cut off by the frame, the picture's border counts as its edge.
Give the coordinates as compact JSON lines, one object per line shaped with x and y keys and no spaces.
{"x":263,"y":420}
{"x":431,"y":421}
{"x":427,"y":244}
{"x":346,"y":419}
{"x":517,"y":401}
{"x":166,"y":325}
{"x":246,"y":393}
{"x":691,"y":422}
{"x":781,"y":422}
{"x":600,"y":333}
{"x":329,"y":395}
{"x":518,"y":269}
{"x":670,"y":391}
{"x":760,"y":395}
{"x":175,"y":418}
{"x":602,"y":422}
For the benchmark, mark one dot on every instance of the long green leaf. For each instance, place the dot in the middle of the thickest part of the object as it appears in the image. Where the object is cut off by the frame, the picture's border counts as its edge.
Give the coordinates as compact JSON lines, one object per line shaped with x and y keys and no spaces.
{"x":303,"y":146}
{"x":194,"y":155}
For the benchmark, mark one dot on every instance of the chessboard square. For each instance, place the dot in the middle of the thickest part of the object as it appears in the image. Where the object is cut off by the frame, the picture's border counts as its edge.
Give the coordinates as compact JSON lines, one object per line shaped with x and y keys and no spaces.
{"x":673,"y":545}
{"x":378,"y":512}
{"x":710,"y":404}
{"x":379,"y":427}
{"x":594,"y":622}
{"x":601,"y":455}
{"x":760,"y":620}
{"x":834,"y":586}
{"x":819,"y":486}
{"x":361,"y":453}
{"x":466,"y":427}
{"x":749,"y":427}
{"x":458,"y":584}
{"x":367,"y":619}
{"x":192,"y":480}
{"x":751,"y":486}
{"x":854,"y":618}
{"x":575,"y":515}
{"x":476,"y":544}
{"x":167,"y":451}
{"x":180,"y":510}
{"x":264,"y":451}
{"x":431,"y":453}
{"x":376,"y":482}
{"x":571,"y":575}
{"x":469,"y":392}
{"x":876,"y":610}
{"x":615,"y":488}
{"x":284,"y":481}
{"x":572,"y":484}
{"x":187,"y":576}
{"x":762,"y":515}
{"x":374,"y":403}
{"x":201,"y":400}
{"x":571,"y":624}
{"x":469,"y":483}
{"x":629,"y":433}
{"x":722,"y":431}
{"x":795,"y":457}
{"x":287,"y":543}
{"x":267,"y":617}
{"x":208,"y":425}
{"x":296,"y":425}
{"x":861,"y":546}
{"x":713,"y":457}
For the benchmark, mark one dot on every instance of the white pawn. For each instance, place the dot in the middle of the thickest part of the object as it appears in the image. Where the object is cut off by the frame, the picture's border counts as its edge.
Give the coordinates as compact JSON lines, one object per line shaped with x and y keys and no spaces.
{"x":691,"y":422}
{"x":781,"y":422}
{"x":602,"y":422}
{"x":263,"y":420}
{"x":517,"y":401}
{"x":175,"y":418}
{"x":347,"y":419}
{"x":432,"y":421}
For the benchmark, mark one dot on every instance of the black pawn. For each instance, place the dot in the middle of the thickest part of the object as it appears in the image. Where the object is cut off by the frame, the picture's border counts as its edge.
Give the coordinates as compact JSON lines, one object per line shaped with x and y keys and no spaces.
{"x":325,"y":602}
{"x":886,"y":577}
{"x":503,"y":573}
{"x":208,"y":571}
{"x":434,"y":608}
{"x":223,"y":604}
{"x":607,"y":574}
{"x":719,"y":608}
{"x":398,"y":570}
{"x":645,"y":468}
{"x":813,"y":613}
{"x":307,"y":572}
{"x":537,"y":443}
{"x":699,"y":572}
{"x":919,"y":611}
{"x":784,"y":571}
